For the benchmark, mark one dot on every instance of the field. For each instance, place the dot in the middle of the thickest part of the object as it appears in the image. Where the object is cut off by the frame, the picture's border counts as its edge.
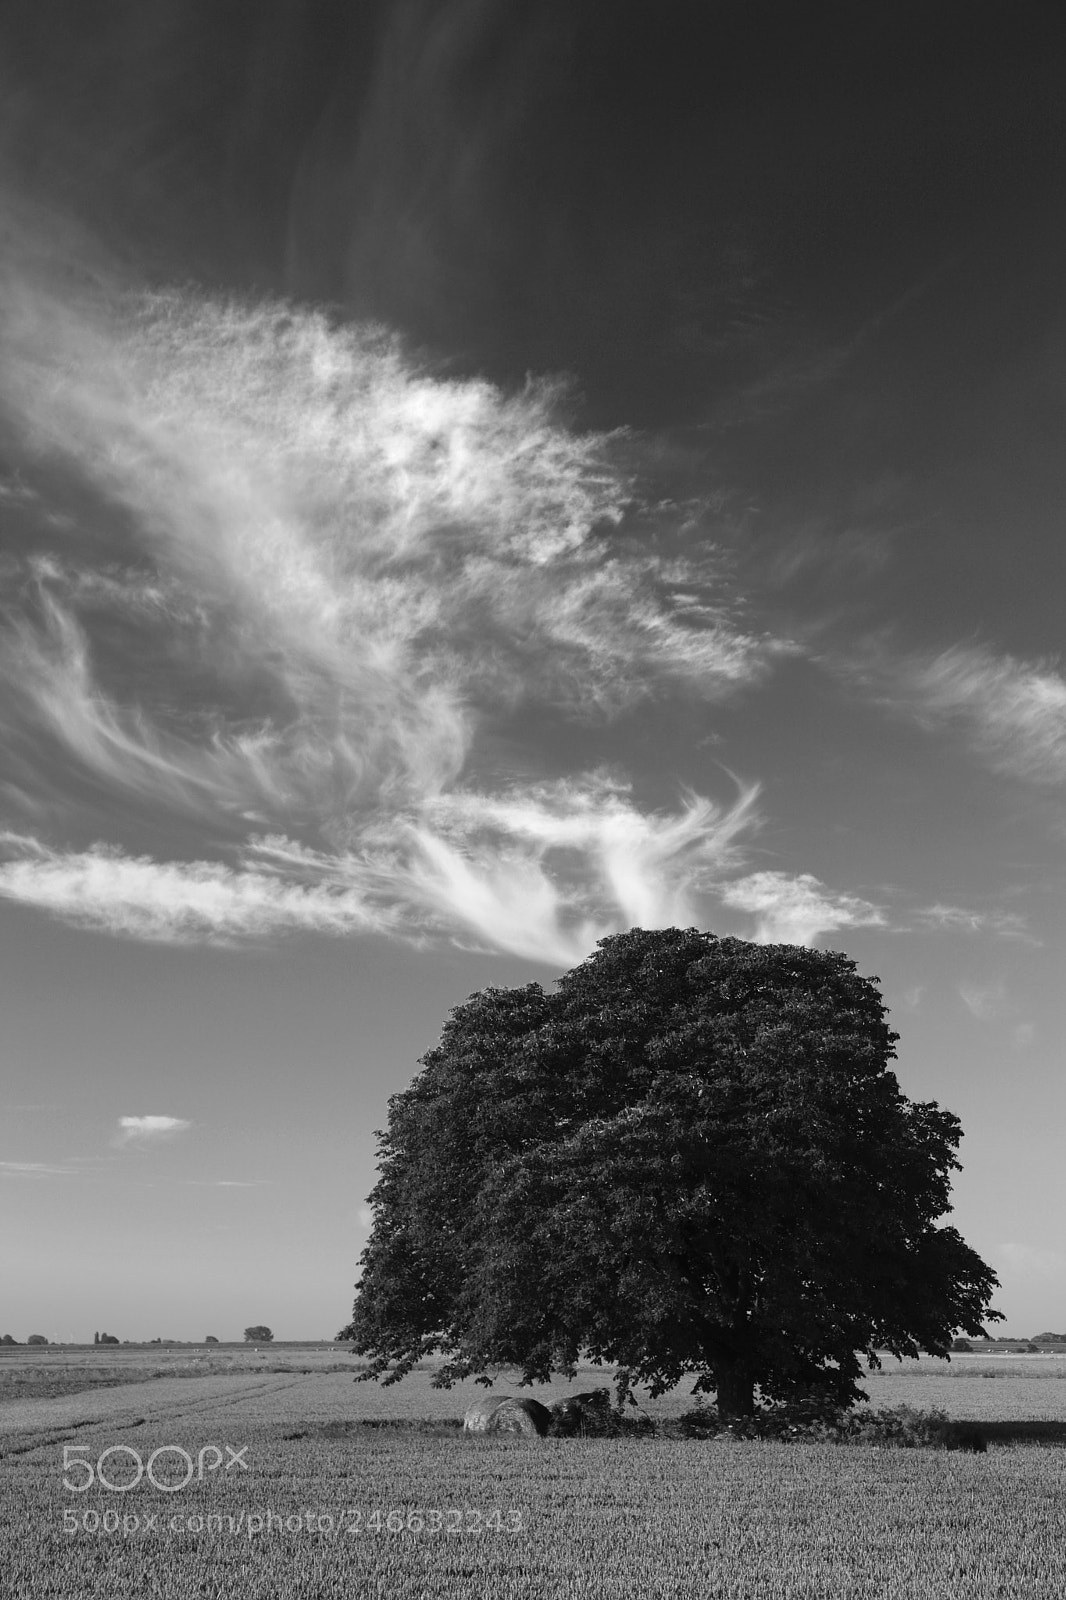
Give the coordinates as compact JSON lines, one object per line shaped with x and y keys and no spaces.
{"x":304,"y":1483}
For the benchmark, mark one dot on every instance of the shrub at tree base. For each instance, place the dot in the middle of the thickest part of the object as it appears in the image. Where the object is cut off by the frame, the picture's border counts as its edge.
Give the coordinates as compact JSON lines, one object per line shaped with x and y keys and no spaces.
{"x":692,"y":1159}
{"x":900,"y":1427}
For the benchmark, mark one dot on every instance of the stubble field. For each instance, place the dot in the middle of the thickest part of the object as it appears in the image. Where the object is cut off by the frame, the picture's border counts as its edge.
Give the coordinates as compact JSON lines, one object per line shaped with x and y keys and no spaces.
{"x":304,"y":1483}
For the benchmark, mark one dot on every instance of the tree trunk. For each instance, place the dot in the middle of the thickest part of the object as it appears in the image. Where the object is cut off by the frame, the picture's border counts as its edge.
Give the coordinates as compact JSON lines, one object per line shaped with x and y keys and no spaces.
{"x":734,"y":1390}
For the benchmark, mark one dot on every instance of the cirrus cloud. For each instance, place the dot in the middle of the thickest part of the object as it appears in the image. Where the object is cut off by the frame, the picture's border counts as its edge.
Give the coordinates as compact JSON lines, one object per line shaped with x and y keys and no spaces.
{"x":541,"y":873}
{"x":1012,"y":712}
{"x":1007,"y":924}
{"x":304,"y":589}
{"x":33,"y":1169}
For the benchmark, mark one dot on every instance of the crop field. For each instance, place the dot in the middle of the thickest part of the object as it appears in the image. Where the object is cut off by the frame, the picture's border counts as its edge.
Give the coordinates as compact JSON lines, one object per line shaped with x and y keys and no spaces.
{"x":270,"y":1475}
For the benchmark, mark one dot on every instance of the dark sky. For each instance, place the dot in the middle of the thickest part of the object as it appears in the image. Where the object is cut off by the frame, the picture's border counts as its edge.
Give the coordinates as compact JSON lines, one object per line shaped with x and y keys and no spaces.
{"x":704,"y":193}
{"x":476,"y":476}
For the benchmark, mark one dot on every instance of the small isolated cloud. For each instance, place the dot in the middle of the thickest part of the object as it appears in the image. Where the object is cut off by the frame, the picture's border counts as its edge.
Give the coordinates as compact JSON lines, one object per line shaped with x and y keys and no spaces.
{"x":365,"y":1215}
{"x":149,"y":1130}
{"x":795,"y":910}
{"x":1031,"y":1261}
{"x":14,"y":492}
{"x":1023,"y":1035}
{"x":988,"y":1002}
{"x":32,"y":1169}
{"x":225,"y":1183}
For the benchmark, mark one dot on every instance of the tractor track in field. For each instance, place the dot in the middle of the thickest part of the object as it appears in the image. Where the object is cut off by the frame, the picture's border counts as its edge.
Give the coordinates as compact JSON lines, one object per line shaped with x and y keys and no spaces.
{"x":30,"y":1425}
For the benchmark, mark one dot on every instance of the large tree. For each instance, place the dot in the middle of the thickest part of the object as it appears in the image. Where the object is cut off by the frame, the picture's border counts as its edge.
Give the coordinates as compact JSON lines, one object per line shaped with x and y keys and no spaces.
{"x":692,"y":1159}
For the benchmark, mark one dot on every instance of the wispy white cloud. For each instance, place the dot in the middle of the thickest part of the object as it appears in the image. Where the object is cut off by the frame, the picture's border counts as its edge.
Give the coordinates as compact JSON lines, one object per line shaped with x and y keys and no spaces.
{"x":338,"y":579}
{"x":988,"y":1002}
{"x":543,"y":873}
{"x":33,"y":1169}
{"x":1013,"y":712}
{"x":499,"y":862}
{"x":959,"y":919}
{"x":226,"y":1183}
{"x":13,"y":492}
{"x":176,"y":901}
{"x":795,"y":910}
{"x":149,"y":1130}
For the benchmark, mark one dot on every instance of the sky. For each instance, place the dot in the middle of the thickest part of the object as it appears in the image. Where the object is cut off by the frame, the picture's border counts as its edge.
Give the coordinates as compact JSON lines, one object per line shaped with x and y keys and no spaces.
{"x":476,"y":476}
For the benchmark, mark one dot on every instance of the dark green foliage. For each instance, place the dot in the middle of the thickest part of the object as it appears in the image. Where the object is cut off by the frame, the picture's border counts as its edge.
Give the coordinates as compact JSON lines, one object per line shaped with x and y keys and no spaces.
{"x":692,"y":1159}
{"x":258,"y":1335}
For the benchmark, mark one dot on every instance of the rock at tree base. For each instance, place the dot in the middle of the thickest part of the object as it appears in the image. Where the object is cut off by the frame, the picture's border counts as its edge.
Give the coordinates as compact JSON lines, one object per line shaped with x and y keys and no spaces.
{"x":503,"y":1413}
{"x":582,"y":1413}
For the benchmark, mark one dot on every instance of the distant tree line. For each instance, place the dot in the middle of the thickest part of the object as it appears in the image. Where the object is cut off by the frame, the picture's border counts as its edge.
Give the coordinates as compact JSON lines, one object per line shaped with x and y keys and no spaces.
{"x":260,"y":1334}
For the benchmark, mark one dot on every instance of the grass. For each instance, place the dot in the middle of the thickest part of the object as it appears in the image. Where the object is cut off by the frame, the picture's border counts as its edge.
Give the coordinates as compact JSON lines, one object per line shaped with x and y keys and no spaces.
{"x":645,"y":1517}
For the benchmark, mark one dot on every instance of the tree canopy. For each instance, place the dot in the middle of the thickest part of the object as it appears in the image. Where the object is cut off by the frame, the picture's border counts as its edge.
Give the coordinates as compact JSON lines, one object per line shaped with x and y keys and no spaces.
{"x":691,"y":1159}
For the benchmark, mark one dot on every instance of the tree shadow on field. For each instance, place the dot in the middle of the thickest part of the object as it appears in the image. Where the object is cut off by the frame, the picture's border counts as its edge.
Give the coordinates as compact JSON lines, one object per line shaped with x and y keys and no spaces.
{"x":964,"y":1435}
{"x":1006,"y":1432}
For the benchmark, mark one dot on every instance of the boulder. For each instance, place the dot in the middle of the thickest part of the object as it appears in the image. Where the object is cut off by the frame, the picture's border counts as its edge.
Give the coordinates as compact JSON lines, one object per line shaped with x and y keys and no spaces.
{"x":582,"y":1413}
{"x":506,"y":1413}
